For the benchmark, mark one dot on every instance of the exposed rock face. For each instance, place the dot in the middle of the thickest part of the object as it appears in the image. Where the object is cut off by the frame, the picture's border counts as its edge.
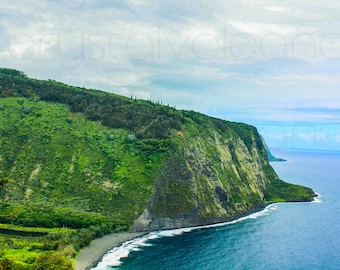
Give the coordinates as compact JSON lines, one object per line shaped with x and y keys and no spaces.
{"x":125,"y":163}
{"x":210,"y":178}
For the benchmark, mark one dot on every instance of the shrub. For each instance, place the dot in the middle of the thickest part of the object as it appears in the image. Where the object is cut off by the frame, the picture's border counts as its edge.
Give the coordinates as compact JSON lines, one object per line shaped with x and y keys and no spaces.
{"x":53,"y":261}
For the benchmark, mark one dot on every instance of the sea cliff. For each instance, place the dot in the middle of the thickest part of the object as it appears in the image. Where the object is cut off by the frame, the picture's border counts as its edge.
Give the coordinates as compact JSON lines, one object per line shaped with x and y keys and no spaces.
{"x":82,"y":157}
{"x":219,"y":171}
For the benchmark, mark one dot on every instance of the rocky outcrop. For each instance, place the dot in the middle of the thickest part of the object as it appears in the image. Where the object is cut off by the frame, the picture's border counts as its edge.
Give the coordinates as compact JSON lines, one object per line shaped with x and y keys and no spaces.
{"x":211,"y":177}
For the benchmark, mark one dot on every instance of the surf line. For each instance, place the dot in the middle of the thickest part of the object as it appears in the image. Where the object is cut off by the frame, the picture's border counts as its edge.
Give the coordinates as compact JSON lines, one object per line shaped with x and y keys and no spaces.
{"x":113,"y":257}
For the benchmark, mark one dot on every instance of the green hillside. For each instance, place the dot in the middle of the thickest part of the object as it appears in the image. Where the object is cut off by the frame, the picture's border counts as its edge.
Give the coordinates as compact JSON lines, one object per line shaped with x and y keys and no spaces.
{"x":95,"y":163}
{"x":75,"y":172}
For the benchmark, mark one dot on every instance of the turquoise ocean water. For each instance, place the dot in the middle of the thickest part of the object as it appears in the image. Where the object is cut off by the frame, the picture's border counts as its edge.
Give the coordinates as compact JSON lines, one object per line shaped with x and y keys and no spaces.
{"x":282,"y":236}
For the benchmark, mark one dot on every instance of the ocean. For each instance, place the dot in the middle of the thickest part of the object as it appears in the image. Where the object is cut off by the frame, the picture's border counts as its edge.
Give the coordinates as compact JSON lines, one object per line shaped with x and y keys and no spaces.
{"x":282,"y":236}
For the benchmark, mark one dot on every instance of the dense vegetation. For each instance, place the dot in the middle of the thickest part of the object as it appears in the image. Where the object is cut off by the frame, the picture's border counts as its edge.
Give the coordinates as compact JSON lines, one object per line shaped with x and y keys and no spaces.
{"x":58,"y":169}
{"x":23,"y":248}
{"x":84,"y":163}
{"x":145,"y":119}
{"x":84,"y":168}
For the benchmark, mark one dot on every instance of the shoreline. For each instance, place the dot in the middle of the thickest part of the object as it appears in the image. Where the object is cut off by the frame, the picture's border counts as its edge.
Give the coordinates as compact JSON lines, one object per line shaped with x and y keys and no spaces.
{"x":91,"y":255}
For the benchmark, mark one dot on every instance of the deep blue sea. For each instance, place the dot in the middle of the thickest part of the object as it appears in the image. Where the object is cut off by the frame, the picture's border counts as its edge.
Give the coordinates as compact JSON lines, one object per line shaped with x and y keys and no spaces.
{"x":283,"y":236}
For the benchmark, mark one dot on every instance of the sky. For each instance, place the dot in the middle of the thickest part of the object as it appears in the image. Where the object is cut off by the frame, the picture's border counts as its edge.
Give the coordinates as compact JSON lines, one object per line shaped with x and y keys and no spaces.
{"x":273,"y":64}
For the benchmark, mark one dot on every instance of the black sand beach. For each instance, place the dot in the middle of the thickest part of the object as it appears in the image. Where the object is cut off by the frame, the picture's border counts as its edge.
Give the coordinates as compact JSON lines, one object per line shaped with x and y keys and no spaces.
{"x":91,"y":255}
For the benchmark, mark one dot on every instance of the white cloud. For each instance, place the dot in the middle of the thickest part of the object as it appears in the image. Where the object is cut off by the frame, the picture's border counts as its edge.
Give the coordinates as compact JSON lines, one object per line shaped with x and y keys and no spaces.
{"x":258,"y":60}
{"x":141,"y":3}
{"x":276,"y":9}
{"x":291,"y":78}
{"x":134,"y":94}
{"x":311,"y":136}
{"x":261,"y":28}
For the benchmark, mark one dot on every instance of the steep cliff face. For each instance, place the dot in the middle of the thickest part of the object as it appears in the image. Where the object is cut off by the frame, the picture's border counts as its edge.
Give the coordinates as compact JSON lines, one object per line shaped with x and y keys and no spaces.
{"x":84,"y":158}
{"x":214,"y":176}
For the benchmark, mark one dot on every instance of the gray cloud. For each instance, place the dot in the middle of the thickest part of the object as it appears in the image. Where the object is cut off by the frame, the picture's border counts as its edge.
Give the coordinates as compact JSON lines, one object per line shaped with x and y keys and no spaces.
{"x":215,"y":54}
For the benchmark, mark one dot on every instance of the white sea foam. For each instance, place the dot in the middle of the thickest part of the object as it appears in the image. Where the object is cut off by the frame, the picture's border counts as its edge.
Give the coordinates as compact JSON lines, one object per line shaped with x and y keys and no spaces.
{"x":272,"y":207}
{"x":317,"y":199}
{"x":114,"y":256}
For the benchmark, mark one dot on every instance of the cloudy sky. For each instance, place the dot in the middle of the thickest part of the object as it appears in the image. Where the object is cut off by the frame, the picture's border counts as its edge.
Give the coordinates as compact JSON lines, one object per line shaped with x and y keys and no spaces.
{"x":274,"y":64}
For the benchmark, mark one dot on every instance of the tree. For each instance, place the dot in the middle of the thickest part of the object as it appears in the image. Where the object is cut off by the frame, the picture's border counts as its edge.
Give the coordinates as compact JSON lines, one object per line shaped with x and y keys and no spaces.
{"x":5,"y":264}
{"x":4,"y":181}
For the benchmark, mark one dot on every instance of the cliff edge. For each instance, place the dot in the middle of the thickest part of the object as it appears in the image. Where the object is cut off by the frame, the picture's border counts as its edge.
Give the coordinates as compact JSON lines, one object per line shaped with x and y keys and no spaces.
{"x":219,"y":171}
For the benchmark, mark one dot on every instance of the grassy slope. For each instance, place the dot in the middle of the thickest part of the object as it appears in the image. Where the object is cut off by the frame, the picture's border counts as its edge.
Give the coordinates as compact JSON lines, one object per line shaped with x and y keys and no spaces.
{"x":63,"y":163}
